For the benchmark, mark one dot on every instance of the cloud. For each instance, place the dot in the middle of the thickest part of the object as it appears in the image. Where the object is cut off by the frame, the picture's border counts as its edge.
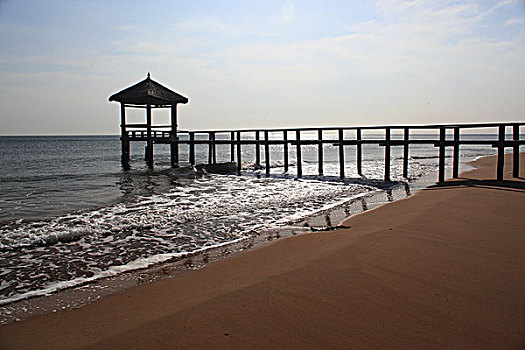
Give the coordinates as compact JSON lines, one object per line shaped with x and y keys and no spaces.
{"x":384,"y":66}
{"x":287,"y":12}
{"x":515,"y":21}
{"x":208,"y":26}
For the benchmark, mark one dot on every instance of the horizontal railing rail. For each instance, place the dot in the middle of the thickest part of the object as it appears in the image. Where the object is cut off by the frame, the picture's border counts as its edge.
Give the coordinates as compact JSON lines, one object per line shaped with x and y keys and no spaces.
{"x":392,"y":127}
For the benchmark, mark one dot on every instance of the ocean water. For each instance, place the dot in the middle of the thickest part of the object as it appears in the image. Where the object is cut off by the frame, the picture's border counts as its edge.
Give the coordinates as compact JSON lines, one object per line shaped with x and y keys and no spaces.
{"x":69,"y":214}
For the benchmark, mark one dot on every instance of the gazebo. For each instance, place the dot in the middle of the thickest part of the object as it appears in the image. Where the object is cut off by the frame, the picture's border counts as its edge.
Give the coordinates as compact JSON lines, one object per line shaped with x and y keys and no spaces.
{"x":148,"y":94}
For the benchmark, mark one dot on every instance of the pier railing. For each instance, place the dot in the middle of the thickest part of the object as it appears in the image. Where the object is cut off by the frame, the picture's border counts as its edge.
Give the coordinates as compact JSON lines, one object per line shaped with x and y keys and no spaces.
{"x":234,"y":138}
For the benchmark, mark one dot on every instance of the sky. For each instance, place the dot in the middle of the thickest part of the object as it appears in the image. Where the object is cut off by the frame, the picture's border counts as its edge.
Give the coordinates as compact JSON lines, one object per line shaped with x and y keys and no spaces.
{"x":261,"y":64}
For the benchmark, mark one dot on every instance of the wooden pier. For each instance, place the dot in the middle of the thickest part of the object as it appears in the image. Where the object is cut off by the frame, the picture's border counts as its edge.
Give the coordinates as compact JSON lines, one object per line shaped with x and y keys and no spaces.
{"x":151,"y":95}
{"x":447,"y":136}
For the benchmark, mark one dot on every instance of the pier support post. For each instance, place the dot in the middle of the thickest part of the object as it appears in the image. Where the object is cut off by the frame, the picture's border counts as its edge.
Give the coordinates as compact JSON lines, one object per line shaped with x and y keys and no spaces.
{"x":405,"y":152}
{"x":501,"y":152}
{"x":210,"y":155}
{"x":124,"y":138}
{"x":214,"y":149}
{"x":192,"y":148}
{"x":341,"y":154}
{"x":239,"y":156}
{"x":359,"y":152}
{"x":149,"y":146}
{"x":299,"y":161}
{"x":125,"y":152}
{"x":257,"y":150}
{"x":285,"y":150}
{"x":212,"y":152}
{"x":320,"y":152}
{"x":174,"y":152}
{"x":174,"y":146}
{"x":516,"y":151}
{"x":387,"y":154}
{"x":455,"y":165}
{"x":232,"y":146}
{"x":442,"y":137}
{"x":266,"y":152}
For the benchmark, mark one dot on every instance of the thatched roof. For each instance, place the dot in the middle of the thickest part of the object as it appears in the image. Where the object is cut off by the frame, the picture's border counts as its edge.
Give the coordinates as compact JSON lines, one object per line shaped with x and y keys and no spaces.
{"x":148,"y":91}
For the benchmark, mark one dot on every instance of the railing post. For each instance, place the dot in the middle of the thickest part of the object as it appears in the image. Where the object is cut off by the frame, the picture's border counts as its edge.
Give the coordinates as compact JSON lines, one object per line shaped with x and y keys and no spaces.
{"x":455,"y":169}
{"x":405,"y":152}
{"x":442,"y":136}
{"x":320,"y":152}
{"x":192,"y":148}
{"x":299,"y":161}
{"x":210,"y":148}
{"x":501,"y":152}
{"x":213,"y":148}
{"x":174,"y":146}
{"x":359,"y":152}
{"x":285,"y":150}
{"x":232,"y":146}
{"x":267,"y":152}
{"x":257,"y":150}
{"x":341,"y":154}
{"x":516,"y":151}
{"x":387,"y":154}
{"x":239,"y":158}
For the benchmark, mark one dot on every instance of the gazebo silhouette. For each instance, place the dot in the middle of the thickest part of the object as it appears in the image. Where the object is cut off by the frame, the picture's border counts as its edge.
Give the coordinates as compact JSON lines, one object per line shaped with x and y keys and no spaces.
{"x":148,"y":94}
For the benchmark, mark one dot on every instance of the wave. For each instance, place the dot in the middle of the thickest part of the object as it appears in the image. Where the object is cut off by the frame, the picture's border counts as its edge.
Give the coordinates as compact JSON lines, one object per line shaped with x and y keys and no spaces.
{"x":138,"y":264}
{"x":427,"y":157}
{"x":54,"y":177}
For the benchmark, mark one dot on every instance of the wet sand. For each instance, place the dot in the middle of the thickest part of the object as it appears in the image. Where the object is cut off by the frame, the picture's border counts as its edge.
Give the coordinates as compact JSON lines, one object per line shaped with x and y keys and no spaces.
{"x":443,"y":268}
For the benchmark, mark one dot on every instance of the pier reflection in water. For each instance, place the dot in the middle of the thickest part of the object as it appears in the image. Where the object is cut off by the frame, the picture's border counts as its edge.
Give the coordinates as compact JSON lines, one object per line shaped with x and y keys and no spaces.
{"x":332,"y":217}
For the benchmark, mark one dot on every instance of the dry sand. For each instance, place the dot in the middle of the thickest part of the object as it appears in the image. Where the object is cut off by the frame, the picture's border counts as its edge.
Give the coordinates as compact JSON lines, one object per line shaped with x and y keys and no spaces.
{"x":443,"y":269}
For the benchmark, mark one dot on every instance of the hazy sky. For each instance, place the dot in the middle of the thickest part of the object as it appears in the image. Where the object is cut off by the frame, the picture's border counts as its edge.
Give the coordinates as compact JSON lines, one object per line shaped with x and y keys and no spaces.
{"x":262,"y":64}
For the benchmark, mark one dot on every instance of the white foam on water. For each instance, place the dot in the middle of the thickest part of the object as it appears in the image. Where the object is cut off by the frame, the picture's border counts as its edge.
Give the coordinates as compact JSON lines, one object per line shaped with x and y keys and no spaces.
{"x":112,"y":271}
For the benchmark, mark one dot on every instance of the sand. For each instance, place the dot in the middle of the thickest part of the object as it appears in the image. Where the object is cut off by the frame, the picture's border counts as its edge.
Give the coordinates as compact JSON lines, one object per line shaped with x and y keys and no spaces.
{"x":442,"y":269}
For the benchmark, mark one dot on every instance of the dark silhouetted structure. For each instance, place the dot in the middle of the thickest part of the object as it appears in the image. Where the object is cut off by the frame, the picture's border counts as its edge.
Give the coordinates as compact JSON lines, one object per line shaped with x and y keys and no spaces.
{"x":148,"y":94}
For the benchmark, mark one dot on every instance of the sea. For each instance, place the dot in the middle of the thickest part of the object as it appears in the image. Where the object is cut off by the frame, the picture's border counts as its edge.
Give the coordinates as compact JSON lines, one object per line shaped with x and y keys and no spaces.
{"x":69,"y":214}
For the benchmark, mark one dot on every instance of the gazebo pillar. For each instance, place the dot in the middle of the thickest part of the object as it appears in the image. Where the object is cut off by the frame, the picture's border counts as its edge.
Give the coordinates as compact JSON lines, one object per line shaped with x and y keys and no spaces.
{"x":149,"y":143}
{"x":124,"y":137}
{"x":174,"y":147}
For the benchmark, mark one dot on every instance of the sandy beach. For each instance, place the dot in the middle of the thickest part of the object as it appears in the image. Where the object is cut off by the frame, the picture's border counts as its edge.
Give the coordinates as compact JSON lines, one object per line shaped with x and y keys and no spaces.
{"x":442,"y":269}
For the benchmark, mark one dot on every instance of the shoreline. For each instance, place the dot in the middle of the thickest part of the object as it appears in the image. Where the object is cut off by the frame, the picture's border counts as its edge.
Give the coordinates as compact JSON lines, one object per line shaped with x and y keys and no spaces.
{"x":78,"y":296}
{"x":153,"y":301}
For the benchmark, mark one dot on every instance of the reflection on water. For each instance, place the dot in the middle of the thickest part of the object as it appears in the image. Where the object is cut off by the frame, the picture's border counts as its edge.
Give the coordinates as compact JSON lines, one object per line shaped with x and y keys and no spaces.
{"x":361,"y":203}
{"x":407,"y":189}
{"x":389,"y":196}
{"x":328,"y":220}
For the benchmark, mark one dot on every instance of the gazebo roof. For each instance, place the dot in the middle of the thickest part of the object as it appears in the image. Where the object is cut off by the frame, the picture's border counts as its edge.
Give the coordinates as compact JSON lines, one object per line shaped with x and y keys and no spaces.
{"x":148,"y":91}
